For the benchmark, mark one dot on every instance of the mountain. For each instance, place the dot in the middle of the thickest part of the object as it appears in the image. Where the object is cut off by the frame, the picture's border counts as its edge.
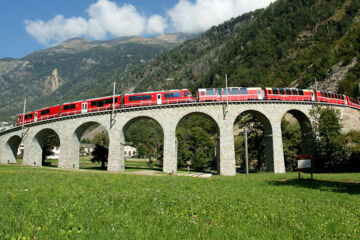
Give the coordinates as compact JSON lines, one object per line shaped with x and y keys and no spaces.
{"x":75,"y":69}
{"x":290,"y":43}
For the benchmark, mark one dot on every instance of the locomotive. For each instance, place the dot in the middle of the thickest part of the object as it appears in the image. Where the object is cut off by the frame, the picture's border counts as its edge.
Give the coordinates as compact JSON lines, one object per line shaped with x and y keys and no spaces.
{"x":183,"y":96}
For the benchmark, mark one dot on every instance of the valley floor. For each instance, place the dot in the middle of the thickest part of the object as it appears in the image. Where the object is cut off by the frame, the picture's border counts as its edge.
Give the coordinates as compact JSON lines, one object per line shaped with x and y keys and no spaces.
{"x":44,"y":203}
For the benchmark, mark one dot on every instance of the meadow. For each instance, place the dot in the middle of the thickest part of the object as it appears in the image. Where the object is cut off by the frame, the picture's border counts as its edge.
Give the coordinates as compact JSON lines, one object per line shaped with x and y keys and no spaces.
{"x":46,"y":203}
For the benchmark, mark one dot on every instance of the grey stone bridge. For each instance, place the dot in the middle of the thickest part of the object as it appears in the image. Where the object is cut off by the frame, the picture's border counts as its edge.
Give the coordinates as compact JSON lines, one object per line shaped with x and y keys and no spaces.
{"x":70,"y":129}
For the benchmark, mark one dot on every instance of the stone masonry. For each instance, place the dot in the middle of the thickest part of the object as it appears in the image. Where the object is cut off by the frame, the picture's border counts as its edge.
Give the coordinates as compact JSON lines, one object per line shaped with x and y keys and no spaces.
{"x":71,"y":129}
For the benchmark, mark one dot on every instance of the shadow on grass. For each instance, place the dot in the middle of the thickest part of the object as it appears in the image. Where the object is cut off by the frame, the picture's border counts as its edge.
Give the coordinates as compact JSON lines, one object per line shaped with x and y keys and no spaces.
{"x":144,"y":168}
{"x":322,"y":185}
{"x":97,"y":168}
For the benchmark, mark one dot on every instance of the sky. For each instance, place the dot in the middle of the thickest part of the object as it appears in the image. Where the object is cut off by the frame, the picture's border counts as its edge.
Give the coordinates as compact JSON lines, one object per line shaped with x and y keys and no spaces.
{"x":30,"y":25}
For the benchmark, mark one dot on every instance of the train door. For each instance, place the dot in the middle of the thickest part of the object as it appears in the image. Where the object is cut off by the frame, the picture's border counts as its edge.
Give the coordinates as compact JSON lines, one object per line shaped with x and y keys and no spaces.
{"x":84,"y":107}
{"x":36,"y":116}
{"x":158,"y":97}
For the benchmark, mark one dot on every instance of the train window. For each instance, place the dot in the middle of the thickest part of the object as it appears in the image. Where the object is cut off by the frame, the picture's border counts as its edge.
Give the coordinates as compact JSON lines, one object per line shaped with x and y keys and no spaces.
{"x":282,"y":91}
{"x":185,"y":94}
{"x":28,"y":116}
{"x":217,"y":91}
{"x":209,"y":92}
{"x":110,"y":100}
{"x":202,"y":93}
{"x":172,"y":95}
{"x":189,"y":94}
{"x":93,"y":103}
{"x":288,"y":91}
{"x":227,"y":91}
{"x":301,"y":92}
{"x":235,"y":91}
{"x":243,"y":91}
{"x":44,"y":112}
{"x":275,"y":91}
{"x":139,"y":97}
{"x":69,"y":107}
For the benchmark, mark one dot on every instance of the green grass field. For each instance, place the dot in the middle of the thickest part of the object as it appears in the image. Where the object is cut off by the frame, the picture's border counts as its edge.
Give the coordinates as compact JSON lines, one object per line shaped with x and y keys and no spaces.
{"x":46,"y":203}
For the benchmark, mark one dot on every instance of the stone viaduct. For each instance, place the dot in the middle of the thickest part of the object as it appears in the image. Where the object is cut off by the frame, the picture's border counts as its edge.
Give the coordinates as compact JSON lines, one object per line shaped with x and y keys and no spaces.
{"x":70,"y":129}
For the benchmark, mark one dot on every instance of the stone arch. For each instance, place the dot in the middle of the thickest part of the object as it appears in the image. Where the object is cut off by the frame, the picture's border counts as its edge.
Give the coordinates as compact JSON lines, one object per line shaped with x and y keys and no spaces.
{"x":131,"y":121}
{"x":75,"y":141}
{"x":217,"y":128}
{"x":35,"y":151}
{"x":306,"y":130}
{"x":268,"y":136}
{"x":11,"y":148}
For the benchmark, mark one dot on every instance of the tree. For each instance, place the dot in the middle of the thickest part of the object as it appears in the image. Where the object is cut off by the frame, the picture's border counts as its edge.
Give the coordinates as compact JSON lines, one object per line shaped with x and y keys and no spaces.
{"x":330,"y":143}
{"x":101,"y":150}
{"x":51,"y":141}
{"x":291,"y":133}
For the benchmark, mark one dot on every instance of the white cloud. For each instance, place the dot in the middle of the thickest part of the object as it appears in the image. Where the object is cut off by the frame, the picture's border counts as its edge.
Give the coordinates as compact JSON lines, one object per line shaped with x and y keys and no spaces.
{"x":107,"y":18}
{"x":57,"y":29}
{"x":156,"y":24}
{"x":193,"y":17}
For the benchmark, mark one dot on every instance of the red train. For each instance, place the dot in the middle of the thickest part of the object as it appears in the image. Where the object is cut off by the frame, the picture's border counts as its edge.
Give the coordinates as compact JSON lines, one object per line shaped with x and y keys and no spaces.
{"x":106,"y":103}
{"x":155,"y":98}
{"x":183,"y":96}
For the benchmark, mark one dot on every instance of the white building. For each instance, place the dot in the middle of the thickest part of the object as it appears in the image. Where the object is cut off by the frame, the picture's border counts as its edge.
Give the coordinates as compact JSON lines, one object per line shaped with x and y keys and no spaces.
{"x":129,"y":151}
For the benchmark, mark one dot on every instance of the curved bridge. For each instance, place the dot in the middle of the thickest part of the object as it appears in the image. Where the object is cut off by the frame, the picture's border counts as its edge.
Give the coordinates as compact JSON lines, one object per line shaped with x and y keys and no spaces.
{"x":70,"y":129}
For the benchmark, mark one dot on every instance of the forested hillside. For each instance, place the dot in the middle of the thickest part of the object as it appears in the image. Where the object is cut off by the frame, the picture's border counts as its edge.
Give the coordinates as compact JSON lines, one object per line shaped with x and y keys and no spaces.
{"x":290,"y":43}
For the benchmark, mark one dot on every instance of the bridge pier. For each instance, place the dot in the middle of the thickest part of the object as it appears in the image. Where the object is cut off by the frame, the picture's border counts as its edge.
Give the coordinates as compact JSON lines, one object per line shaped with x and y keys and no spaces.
{"x":170,"y":148}
{"x":69,"y":152}
{"x":226,"y":163}
{"x":116,"y":159}
{"x":32,"y":152}
{"x":278,"y":162}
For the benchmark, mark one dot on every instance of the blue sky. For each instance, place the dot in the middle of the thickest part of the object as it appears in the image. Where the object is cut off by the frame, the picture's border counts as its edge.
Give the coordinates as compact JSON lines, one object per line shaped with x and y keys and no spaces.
{"x":30,"y":25}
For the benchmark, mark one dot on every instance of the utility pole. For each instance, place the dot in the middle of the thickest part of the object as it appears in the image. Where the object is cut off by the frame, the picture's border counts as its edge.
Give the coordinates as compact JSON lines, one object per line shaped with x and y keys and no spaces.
{"x":316,"y":93}
{"x":226,"y":91}
{"x":23,"y":121}
{"x":246,"y":155}
{"x":113,"y":105}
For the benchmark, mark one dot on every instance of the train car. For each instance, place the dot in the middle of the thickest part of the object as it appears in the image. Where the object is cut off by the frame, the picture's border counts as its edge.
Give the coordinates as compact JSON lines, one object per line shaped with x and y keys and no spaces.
{"x":329,"y":97}
{"x":352,"y":102}
{"x":91,"y":105}
{"x":155,"y":98}
{"x":289,"y":94}
{"x":73,"y":108}
{"x":47,"y":113}
{"x":39,"y":115}
{"x":103,"y":103}
{"x":229,"y":94}
{"x":28,"y":118}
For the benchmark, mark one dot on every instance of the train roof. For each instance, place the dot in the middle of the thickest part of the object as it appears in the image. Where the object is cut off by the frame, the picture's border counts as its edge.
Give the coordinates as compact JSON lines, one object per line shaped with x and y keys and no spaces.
{"x":287,"y":88}
{"x":171,"y":90}
{"x":203,"y":89}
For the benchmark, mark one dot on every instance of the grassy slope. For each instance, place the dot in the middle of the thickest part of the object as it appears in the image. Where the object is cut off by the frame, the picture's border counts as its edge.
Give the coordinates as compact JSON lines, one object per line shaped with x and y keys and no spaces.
{"x":50,"y":204}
